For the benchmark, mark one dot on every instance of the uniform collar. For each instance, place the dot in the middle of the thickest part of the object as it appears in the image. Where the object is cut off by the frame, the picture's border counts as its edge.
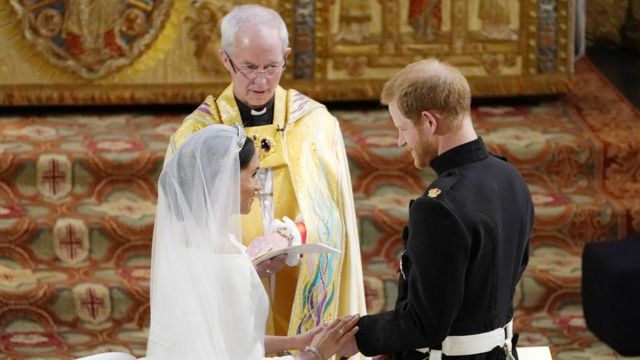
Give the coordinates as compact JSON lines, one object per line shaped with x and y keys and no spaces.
{"x":460,"y":155}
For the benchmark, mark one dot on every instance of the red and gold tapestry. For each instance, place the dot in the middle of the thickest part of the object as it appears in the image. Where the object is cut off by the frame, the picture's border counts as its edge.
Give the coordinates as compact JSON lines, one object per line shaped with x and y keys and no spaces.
{"x":163,"y":51}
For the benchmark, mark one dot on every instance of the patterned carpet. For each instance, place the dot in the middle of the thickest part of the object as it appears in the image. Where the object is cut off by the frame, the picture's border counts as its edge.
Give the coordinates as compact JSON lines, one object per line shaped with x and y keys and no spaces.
{"x":77,"y":197}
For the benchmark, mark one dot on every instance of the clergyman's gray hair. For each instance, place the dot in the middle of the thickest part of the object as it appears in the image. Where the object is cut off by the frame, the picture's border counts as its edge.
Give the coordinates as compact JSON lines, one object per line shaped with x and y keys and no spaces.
{"x":251,"y":15}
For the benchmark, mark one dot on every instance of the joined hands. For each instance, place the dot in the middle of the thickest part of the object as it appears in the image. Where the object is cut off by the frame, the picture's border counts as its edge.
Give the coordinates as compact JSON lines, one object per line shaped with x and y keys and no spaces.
{"x":329,"y":339}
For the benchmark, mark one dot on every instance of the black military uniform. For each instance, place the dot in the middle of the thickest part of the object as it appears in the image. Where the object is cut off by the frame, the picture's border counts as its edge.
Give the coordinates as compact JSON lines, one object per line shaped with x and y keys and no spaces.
{"x":465,"y":248}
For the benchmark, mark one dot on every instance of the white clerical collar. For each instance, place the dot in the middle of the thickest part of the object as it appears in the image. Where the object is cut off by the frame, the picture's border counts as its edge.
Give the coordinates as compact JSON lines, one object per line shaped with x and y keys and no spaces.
{"x":255,"y":112}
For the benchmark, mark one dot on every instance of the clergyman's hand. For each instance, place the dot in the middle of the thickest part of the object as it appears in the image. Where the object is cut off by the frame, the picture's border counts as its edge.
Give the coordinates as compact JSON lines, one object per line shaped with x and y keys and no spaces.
{"x":266,"y":243}
{"x":271,"y":266}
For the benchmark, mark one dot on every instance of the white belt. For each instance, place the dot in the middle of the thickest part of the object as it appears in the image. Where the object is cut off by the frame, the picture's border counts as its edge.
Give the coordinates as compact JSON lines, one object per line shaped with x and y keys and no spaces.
{"x":473,"y":344}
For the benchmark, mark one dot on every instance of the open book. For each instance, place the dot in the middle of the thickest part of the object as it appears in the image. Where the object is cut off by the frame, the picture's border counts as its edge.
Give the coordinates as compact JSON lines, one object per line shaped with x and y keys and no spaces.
{"x":295,"y":250}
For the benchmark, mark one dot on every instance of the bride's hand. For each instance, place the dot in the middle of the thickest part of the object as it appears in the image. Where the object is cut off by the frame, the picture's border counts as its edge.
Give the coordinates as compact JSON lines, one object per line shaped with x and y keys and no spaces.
{"x":333,"y":337}
{"x":303,"y":340}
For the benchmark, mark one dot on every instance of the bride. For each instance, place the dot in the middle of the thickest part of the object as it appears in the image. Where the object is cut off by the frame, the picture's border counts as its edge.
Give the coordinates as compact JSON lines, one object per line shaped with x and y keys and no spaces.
{"x":207,"y":301}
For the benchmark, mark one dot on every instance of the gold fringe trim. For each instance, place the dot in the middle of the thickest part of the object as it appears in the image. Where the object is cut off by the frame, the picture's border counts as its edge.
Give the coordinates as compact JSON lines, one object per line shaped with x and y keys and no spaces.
{"x":322,"y":91}
{"x":521,"y":85}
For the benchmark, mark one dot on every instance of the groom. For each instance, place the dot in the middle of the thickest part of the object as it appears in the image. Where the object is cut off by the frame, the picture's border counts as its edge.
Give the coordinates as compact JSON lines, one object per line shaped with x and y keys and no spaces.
{"x":467,"y":241}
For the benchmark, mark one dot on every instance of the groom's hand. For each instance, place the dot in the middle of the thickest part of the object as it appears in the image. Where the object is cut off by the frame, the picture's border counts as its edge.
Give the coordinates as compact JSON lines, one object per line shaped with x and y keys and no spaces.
{"x":349,"y":349}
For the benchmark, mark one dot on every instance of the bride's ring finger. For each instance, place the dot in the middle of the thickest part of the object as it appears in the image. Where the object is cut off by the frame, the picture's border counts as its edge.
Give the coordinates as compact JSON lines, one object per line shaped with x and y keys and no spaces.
{"x":340,"y":332}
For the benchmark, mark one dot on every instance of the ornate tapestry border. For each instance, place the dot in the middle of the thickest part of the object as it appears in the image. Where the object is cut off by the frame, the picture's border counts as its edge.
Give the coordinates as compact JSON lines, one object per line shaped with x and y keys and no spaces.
{"x":181,"y":67}
{"x":193,"y":94}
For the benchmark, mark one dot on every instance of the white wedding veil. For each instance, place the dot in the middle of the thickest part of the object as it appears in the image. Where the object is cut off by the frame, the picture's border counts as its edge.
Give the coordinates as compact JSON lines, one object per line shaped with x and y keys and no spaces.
{"x":205,"y":293}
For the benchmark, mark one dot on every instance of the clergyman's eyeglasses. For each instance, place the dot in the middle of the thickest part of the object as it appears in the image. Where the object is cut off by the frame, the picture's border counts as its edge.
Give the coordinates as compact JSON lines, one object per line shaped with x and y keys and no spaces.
{"x":251,"y":71}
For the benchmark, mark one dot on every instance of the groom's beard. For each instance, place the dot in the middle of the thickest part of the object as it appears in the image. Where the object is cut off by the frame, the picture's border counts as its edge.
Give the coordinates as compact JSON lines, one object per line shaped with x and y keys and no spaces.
{"x":424,"y":152}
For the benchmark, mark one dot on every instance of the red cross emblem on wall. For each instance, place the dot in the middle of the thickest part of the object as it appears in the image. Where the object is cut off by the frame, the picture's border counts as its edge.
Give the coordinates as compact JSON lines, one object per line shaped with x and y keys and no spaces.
{"x":53,"y":176}
{"x":92,"y":303}
{"x":71,"y":241}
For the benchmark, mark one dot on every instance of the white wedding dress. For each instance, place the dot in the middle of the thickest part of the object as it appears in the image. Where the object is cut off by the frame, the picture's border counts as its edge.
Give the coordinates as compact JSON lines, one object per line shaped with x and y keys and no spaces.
{"x":207,"y":301}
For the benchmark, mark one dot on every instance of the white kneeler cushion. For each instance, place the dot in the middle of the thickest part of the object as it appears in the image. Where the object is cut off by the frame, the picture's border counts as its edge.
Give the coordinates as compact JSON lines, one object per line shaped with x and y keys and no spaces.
{"x":109,"y":356}
{"x":534,"y":353}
